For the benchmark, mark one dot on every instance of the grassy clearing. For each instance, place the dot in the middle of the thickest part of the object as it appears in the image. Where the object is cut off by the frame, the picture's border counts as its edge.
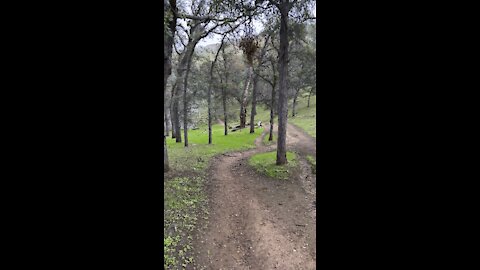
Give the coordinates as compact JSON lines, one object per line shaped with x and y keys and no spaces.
{"x":184,"y":202}
{"x":313,"y":163}
{"x":196,"y":156}
{"x":265,"y":163}
{"x":305,"y":117}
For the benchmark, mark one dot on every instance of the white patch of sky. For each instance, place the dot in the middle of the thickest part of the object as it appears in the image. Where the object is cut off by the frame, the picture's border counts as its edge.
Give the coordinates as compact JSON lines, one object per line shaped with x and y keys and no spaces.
{"x":215,"y":38}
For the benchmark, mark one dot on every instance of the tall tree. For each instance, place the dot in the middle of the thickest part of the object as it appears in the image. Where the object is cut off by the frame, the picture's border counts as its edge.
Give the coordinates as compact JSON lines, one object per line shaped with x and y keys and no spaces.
{"x":312,"y":90}
{"x":185,"y":103}
{"x":224,"y":92}
{"x":169,"y":33}
{"x":271,"y":79}
{"x":249,"y":46}
{"x":167,"y":126}
{"x":176,"y":114}
{"x":172,"y":116}
{"x":284,"y":8}
{"x":200,"y":27}
{"x":209,"y":95}
{"x":255,"y":84}
{"x":273,"y":83}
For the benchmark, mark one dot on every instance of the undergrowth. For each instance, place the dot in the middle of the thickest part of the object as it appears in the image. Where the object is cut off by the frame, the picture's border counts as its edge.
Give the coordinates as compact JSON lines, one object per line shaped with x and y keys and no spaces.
{"x":313,"y":163}
{"x":184,"y":202}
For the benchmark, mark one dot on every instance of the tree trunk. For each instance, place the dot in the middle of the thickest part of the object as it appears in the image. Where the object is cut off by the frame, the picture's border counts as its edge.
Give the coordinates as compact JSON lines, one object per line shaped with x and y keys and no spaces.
{"x":243,"y":105}
{"x":185,"y":102}
{"x":224,"y":93}
{"x":272,"y":103}
{"x":293,"y":106}
{"x":224,"y":98}
{"x":167,"y":126}
{"x":185,"y":115}
{"x":283,"y":86}
{"x":309,"y":95}
{"x":295,"y":102}
{"x":169,"y":6}
{"x":255,"y":84}
{"x":172,"y":114}
{"x":209,"y":94}
{"x":254,"y":104}
{"x":182,"y":71}
{"x":209,"y":99}
{"x":178,"y":135}
{"x":166,"y":167}
{"x":272,"y":106}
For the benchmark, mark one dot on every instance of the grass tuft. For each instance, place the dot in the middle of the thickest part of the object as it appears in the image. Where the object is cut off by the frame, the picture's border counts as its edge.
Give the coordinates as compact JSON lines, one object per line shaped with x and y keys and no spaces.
{"x":266,"y":163}
{"x":267,"y":142}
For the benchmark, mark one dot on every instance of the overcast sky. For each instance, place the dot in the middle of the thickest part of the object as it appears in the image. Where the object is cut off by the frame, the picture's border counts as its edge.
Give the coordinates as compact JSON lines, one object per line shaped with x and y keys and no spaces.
{"x":215,"y":39}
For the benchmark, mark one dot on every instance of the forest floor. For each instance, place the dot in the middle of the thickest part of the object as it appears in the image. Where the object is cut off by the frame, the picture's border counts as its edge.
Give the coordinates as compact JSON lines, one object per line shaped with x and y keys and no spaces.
{"x":258,"y":222}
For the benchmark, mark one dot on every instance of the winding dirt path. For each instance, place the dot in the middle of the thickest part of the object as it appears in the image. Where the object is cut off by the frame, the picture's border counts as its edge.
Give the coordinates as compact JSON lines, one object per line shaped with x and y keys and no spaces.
{"x":257,"y":222}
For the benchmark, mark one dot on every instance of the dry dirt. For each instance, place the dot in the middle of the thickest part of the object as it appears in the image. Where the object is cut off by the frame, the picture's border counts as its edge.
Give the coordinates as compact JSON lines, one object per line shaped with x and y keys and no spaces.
{"x":256,"y":222}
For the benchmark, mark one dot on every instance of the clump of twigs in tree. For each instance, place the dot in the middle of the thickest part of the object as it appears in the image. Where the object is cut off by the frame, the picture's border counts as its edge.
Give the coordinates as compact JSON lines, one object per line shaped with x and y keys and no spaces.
{"x":249,"y":46}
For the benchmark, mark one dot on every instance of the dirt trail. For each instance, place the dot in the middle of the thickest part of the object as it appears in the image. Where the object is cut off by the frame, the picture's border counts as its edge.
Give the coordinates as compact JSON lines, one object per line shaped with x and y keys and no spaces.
{"x":257,"y":222}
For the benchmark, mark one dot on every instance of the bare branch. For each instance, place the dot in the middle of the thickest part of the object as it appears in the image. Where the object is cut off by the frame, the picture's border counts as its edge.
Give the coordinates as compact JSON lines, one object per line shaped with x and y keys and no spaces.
{"x":181,"y":41}
{"x":265,"y":79}
{"x":175,"y":47}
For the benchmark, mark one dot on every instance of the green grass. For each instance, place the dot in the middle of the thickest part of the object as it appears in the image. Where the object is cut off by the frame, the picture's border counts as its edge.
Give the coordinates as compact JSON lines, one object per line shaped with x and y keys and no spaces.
{"x":196,"y":156}
{"x":305,"y":117}
{"x":184,"y":197}
{"x":265,"y":163}
{"x":263,"y":114}
{"x":267,"y":142}
{"x":313,"y":163}
{"x":184,"y":202}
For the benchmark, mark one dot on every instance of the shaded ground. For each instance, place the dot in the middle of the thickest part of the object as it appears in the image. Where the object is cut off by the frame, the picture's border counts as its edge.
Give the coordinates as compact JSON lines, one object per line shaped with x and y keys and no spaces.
{"x":256,"y":222}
